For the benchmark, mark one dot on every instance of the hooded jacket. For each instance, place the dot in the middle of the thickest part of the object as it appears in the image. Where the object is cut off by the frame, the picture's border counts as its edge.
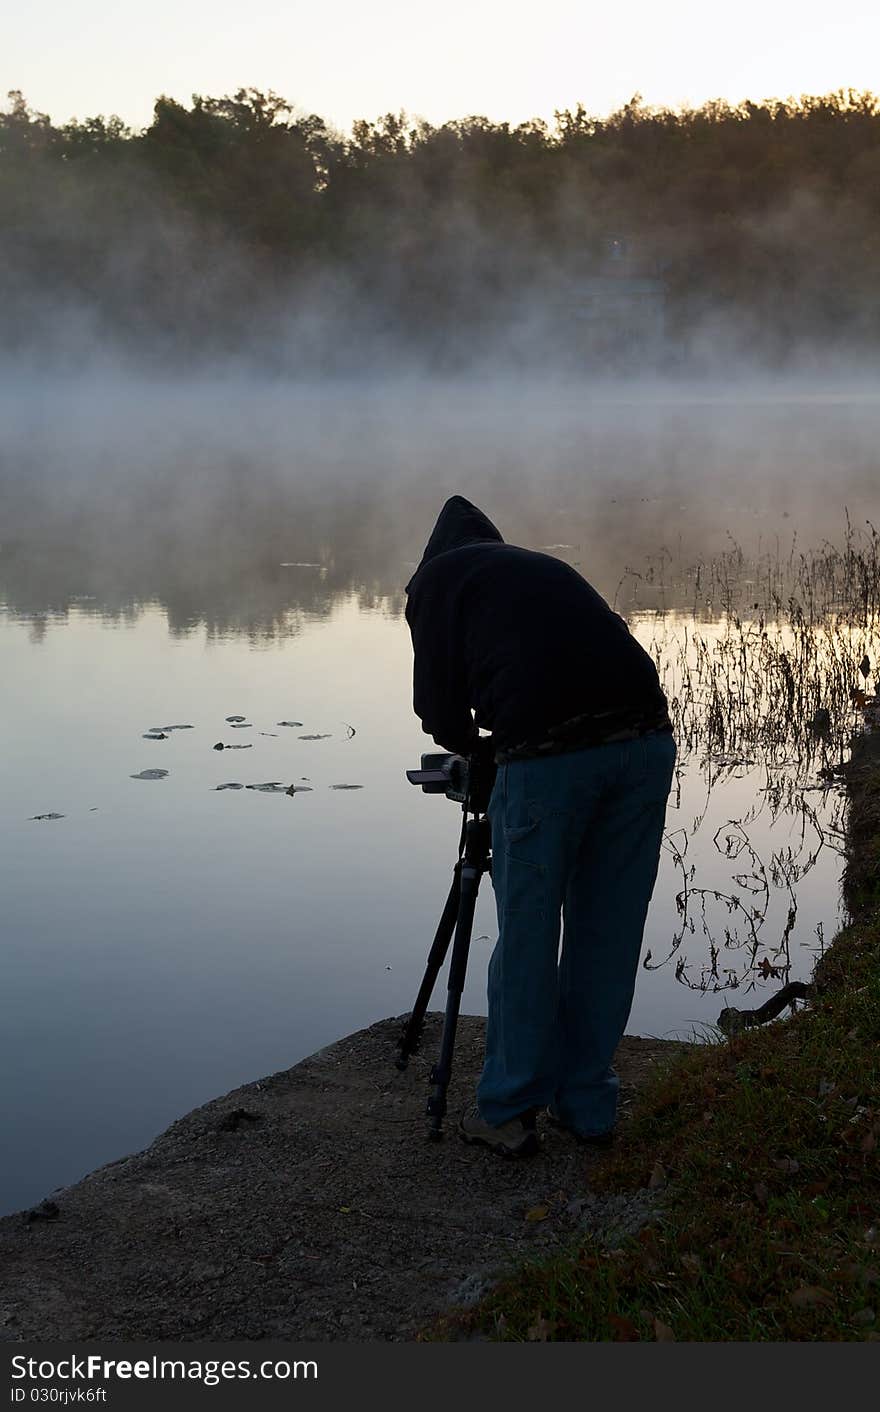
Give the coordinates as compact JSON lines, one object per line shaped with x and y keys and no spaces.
{"x":516,"y":642}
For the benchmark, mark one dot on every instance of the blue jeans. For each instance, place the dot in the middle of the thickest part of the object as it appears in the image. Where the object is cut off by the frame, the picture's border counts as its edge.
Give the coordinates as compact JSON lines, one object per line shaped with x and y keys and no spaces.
{"x":579,"y":835}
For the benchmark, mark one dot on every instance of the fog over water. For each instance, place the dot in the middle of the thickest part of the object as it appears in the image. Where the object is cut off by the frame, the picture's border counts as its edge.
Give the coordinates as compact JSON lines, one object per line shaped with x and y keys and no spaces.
{"x":179,"y":551}
{"x":200,"y":489}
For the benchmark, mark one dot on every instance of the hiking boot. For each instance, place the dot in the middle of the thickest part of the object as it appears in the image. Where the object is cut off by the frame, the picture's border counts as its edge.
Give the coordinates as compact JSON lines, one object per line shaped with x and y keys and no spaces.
{"x":599,"y":1140}
{"x":518,"y":1138}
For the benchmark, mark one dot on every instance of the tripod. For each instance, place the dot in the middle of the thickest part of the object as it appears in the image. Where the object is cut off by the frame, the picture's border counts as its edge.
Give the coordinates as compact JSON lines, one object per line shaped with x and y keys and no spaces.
{"x":458,"y":917}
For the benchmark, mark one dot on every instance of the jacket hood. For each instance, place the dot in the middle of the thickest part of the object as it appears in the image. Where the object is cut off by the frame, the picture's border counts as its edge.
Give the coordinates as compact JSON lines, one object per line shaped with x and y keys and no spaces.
{"x":459,"y":523}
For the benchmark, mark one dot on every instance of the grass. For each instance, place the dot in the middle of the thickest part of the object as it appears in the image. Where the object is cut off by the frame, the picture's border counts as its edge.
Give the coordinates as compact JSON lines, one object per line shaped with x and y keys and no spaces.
{"x":766,"y":1148}
{"x":767,"y":669}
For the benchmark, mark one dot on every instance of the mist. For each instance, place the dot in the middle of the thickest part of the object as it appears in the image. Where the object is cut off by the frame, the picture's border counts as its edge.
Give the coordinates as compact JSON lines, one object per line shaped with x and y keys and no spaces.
{"x":718,"y":243}
{"x":206,"y":494}
{"x":240,"y":341}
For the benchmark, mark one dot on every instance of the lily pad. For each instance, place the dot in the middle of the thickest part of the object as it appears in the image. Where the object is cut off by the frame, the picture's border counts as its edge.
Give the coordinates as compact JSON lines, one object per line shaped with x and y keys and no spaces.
{"x":150,"y":775}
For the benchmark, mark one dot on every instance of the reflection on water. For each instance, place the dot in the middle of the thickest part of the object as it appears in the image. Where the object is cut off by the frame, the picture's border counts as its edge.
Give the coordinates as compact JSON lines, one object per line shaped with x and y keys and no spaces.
{"x":180,"y":919}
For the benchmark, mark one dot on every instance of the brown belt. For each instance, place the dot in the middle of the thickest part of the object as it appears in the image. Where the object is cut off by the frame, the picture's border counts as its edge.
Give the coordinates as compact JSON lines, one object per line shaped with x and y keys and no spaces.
{"x":582,"y":733}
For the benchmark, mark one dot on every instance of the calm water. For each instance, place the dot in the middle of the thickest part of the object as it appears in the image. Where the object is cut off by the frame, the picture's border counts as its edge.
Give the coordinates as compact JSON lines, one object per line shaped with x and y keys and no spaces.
{"x":164,"y":940}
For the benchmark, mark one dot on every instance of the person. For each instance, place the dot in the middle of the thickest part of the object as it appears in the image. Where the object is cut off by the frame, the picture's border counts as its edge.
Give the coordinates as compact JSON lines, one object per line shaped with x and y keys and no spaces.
{"x":517,"y":643}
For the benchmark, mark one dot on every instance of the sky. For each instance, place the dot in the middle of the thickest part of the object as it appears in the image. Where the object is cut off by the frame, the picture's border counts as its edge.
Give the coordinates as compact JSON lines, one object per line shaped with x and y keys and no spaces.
{"x":505,"y":59}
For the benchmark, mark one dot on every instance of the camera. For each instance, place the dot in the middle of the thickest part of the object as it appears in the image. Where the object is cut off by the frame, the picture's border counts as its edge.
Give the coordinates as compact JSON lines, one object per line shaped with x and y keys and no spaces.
{"x":443,"y":774}
{"x":466,"y":779}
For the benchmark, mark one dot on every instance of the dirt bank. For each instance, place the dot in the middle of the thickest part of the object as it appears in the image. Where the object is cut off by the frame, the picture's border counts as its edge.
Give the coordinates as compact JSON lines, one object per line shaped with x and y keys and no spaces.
{"x":307,"y":1205}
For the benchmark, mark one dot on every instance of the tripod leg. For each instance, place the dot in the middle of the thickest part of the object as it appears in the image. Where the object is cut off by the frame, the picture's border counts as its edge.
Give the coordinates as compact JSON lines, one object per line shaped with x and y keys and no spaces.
{"x":436,"y":957}
{"x":474,"y":864}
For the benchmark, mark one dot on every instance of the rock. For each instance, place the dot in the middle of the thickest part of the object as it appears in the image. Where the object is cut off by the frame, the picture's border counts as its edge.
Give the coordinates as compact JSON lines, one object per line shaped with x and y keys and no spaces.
{"x":209,"y":1235}
{"x":46,"y":1211}
{"x":237,"y":1118}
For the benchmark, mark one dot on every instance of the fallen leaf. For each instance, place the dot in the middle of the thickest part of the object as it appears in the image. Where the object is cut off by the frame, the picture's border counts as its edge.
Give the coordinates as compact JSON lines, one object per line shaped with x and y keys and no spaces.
{"x":864,"y":1316}
{"x":767,"y":970}
{"x":542,"y":1330}
{"x":847,"y":1274}
{"x":623,"y":1330}
{"x":657,"y":1177}
{"x":762,"y":1195}
{"x":809,"y":1296}
{"x":662,"y":1332}
{"x":692,"y":1263}
{"x":789,"y":1165}
{"x":538,"y":1213}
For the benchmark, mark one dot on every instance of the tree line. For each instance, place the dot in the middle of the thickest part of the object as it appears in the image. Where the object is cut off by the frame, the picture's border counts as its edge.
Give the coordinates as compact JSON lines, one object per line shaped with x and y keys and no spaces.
{"x":222,"y":220}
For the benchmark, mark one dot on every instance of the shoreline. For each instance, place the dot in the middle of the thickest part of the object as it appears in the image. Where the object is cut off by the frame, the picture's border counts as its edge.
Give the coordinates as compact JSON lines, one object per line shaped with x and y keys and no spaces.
{"x":307,"y":1205}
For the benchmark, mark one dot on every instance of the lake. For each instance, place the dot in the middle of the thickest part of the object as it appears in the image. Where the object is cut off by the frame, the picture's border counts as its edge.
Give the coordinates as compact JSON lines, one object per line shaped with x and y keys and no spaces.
{"x":183,"y":555}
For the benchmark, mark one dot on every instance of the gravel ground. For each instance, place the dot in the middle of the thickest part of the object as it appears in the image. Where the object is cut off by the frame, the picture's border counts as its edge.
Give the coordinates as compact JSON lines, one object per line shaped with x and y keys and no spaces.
{"x":306,"y":1206}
